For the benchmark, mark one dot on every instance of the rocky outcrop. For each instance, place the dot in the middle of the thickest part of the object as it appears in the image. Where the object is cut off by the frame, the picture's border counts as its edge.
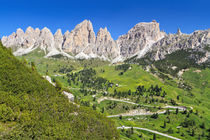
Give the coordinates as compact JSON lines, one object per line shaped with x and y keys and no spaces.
{"x":15,"y":40}
{"x":82,"y":43}
{"x":81,"y":39}
{"x":46,"y":40}
{"x":197,"y":41}
{"x":105,"y":45}
{"x":139,"y":39}
{"x":58,"y":39}
{"x":179,"y":32}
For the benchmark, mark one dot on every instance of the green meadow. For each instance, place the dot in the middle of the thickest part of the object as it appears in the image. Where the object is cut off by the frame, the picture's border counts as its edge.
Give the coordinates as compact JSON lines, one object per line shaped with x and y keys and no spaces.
{"x":191,"y":89}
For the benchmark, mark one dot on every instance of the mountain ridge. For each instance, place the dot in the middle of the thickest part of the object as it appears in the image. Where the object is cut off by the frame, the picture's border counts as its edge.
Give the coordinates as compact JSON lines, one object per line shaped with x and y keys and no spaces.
{"x":83,"y":43}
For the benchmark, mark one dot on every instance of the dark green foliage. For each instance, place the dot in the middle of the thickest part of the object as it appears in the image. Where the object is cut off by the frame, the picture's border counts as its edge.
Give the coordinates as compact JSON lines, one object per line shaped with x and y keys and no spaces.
{"x":164,"y":124}
{"x":187,"y":123}
{"x":58,"y":86}
{"x":66,"y":69}
{"x":177,"y":110}
{"x":146,"y":60}
{"x":33,"y":67}
{"x":170,"y":131}
{"x":181,"y":59}
{"x":87,"y":77}
{"x":141,"y":91}
{"x":154,"y":136}
{"x":6,"y":113}
{"x":38,"y":111}
{"x":154,"y":116}
{"x":202,"y":125}
{"x":207,"y":48}
{"x":123,"y":67}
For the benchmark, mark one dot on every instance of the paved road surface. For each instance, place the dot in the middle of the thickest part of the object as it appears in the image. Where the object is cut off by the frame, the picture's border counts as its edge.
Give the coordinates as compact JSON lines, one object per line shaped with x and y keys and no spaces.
{"x":152,"y":131}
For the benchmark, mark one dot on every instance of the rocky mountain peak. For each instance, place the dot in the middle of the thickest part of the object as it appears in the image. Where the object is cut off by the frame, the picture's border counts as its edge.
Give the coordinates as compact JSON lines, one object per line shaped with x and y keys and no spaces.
{"x":37,"y":30}
{"x":29,"y":30}
{"x":179,"y":32}
{"x":86,"y":24}
{"x":58,"y":38}
{"x":103,"y":35}
{"x":174,"y":42}
{"x":20,"y":36}
{"x":19,"y":31}
{"x":58,"y":33}
{"x":154,"y":21}
{"x":46,"y":40}
{"x":83,"y":43}
{"x":105,"y":45}
{"x":66,"y":33}
{"x":45,"y":30}
{"x":139,"y":39}
{"x":80,"y":38}
{"x":30,"y":37}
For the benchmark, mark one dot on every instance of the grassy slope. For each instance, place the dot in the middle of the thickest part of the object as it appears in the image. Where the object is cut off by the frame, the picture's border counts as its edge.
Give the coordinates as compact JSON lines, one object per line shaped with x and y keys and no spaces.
{"x":31,"y":108}
{"x":137,"y":76}
{"x":200,"y":82}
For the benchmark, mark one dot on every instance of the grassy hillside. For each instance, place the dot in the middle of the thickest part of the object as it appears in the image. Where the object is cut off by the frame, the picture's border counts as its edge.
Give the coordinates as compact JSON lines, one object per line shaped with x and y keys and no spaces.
{"x":150,"y":88}
{"x":31,"y":108}
{"x":174,"y":62}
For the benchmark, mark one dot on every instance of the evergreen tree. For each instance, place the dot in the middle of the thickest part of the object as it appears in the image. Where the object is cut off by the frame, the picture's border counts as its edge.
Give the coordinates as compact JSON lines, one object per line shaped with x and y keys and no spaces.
{"x":102,"y":110}
{"x":132,"y":131}
{"x":164,"y":124}
{"x":154,"y":136}
{"x":193,"y":133}
{"x":177,"y":110}
{"x":202,"y":125}
{"x":94,"y":106}
{"x":33,"y":67}
{"x":58,"y":85}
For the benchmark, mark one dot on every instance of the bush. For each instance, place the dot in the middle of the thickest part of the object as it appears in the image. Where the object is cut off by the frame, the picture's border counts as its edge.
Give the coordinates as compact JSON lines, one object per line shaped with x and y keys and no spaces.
{"x":6,"y":113}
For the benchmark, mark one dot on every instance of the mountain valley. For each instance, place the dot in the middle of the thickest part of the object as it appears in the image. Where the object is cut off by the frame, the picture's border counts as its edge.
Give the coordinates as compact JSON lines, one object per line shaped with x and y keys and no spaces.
{"x":147,"y":84}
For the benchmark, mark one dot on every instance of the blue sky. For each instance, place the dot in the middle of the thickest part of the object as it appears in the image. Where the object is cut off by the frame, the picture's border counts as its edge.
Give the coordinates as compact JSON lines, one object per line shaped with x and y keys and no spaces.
{"x":117,"y":15}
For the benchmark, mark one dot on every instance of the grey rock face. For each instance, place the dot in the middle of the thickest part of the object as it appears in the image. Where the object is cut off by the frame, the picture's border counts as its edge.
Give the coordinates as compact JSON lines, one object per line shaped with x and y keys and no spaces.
{"x":31,"y":37}
{"x":140,"y":36}
{"x":81,"y":41}
{"x":173,"y":42}
{"x":105,"y":45}
{"x":82,"y":38}
{"x":143,"y":38}
{"x":58,"y":38}
{"x":46,"y":40}
{"x":178,"y":32}
{"x":13,"y":40}
{"x":20,"y":37}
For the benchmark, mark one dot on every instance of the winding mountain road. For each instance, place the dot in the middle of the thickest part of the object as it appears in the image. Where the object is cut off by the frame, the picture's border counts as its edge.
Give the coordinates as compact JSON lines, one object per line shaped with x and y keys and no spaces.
{"x":182,"y":108}
{"x":113,"y":99}
{"x":152,"y":131}
{"x":138,"y":112}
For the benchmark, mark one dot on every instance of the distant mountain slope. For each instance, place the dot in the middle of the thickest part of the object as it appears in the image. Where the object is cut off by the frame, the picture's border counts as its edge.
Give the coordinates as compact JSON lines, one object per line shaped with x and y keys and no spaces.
{"x":178,"y":51}
{"x":31,"y":108}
